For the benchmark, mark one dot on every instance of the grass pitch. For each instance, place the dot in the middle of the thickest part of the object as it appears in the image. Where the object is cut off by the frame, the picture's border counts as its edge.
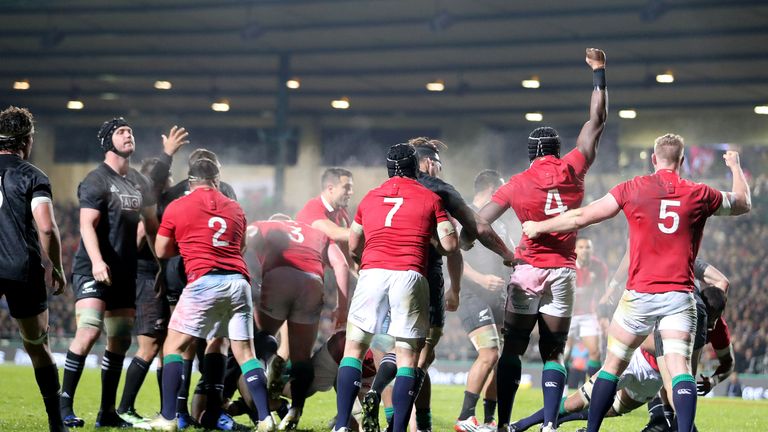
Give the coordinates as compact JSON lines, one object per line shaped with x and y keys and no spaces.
{"x":21,"y":408}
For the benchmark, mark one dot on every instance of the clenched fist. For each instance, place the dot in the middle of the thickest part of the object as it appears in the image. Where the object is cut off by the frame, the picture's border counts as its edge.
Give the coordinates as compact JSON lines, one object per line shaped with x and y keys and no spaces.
{"x":732,"y":159}
{"x":595,"y":58}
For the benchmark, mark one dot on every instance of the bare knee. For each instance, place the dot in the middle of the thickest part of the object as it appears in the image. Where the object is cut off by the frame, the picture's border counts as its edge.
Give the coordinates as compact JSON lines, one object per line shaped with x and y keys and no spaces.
{"x":488,"y":356}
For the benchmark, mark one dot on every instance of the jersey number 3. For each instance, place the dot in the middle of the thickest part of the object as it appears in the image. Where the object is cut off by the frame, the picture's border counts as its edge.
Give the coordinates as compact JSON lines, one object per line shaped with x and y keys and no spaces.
{"x":664,"y":213}
{"x":222,"y":229}
{"x":559,"y":208}
{"x":397,"y":201}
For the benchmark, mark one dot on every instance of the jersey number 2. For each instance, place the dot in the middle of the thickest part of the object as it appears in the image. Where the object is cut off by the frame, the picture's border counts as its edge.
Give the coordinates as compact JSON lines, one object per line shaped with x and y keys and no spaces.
{"x":554,"y":195}
{"x":397,"y":201}
{"x":664,"y":214}
{"x":222,"y":229}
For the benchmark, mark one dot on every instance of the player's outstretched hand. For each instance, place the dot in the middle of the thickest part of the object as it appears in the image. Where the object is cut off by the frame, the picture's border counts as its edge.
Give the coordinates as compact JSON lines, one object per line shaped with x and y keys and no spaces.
{"x":732,"y":159}
{"x":595,"y":58}
{"x":101,"y":273}
{"x":59,"y":280}
{"x":703,"y":385}
{"x":531,"y":229}
{"x":492,"y":282}
{"x":176,"y":139}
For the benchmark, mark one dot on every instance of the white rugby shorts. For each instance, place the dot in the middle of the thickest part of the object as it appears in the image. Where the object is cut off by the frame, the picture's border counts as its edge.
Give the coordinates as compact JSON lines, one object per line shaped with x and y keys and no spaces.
{"x":640,"y":380}
{"x":638,"y":313}
{"x":404,"y":295}
{"x":549,"y":291}
{"x":215,"y":306}
{"x":584,"y":325}
{"x":290,"y":294}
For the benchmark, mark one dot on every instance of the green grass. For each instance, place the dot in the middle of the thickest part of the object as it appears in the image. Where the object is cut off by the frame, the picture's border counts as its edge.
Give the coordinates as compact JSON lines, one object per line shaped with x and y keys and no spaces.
{"x":21,"y":408}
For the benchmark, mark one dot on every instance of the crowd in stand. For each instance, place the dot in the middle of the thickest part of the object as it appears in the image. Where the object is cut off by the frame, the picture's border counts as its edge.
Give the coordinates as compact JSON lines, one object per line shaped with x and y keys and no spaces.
{"x":738,"y":248}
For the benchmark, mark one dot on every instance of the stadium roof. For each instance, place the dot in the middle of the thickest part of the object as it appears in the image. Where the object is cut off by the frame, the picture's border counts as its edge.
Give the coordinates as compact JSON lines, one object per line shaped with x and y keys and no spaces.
{"x":380,"y":54}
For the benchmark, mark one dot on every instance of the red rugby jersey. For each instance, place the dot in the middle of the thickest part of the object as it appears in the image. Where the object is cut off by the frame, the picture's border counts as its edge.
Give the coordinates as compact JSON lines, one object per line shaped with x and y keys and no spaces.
{"x":720,"y":336}
{"x":209,"y":229}
{"x":293,"y":244}
{"x":317,"y":209}
{"x":398,"y":219}
{"x":546,"y":189}
{"x":666,"y":216}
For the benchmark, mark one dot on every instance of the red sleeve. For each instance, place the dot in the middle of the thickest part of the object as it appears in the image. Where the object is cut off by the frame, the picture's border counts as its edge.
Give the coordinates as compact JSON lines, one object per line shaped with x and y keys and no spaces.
{"x":577,"y":161}
{"x":621,"y":193}
{"x":712,"y":198}
{"x":504,"y":195}
{"x":358,"y":213}
{"x":168,"y":225}
{"x":720,"y":338}
{"x":439,"y":210}
{"x":311,"y":212}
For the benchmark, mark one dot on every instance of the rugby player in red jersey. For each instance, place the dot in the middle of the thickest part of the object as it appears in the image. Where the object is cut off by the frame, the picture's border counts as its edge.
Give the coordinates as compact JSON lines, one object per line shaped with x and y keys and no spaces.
{"x":208,"y":230}
{"x":666,"y":216}
{"x":390,"y":237}
{"x":292,"y":256}
{"x":542,"y":285}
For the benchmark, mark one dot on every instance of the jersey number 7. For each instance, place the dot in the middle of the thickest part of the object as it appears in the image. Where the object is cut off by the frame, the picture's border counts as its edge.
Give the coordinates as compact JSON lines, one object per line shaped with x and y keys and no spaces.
{"x":397,"y":201}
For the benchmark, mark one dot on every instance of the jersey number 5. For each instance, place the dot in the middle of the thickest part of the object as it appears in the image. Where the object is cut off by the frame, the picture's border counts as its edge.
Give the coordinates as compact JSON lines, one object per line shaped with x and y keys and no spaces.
{"x":222,"y":229}
{"x":397,"y":201}
{"x":554,"y":195}
{"x":664,"y":214}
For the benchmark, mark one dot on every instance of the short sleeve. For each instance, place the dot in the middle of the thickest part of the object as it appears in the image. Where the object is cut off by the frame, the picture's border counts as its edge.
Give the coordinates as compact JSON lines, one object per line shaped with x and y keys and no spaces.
{"x":92,"y":193}
{"x":504,"y":195}
{"x":439,"y":209}
{"x":621,"y":193}
{"x":712,"y":199}
{"x":720,"y":337}
{"x":359,"y":214}
{"x":699,"y":267}
{"x":576,"y":160}
{"x":452,"y":199}
{"x":168,"y":225}
{"x":41,"y":186}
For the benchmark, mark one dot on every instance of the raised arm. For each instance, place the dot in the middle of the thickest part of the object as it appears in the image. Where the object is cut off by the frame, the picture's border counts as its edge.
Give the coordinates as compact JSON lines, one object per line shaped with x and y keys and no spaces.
{"x":589,"y":137}
{"x":739,"y":199}
{"x":573,"y":220}
{"x":713,"y":276}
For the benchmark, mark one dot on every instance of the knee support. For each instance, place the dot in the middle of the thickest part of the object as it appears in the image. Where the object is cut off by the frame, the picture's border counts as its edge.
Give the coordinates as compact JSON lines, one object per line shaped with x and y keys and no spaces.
{"x":118,"y":326}
{"x":487,"y":338}
{"x":551,"y":344}
{"x":516,"y":341}
{"x":619,"y":407}
{"x":434,"y":335}
{"x":357,"y":334}
{"x":585,"y":392}
{"x":40,"y":340}
{"x":619,"y":349}
{"x":89,"y":318}
{"x":677,"y":346}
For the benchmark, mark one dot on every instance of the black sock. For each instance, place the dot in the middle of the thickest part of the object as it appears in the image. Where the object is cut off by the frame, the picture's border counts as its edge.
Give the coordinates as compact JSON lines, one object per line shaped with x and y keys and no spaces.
{"x":159,"y":374}
{"x":385,"y":374}
{"x":489,"y":410}
{"x":214,"y":368}
{"x":111,"y":369}
{"x":468,"y":407}
{"x":231,"y":377}
{"x":303,"y":375}
{"x":186,"y":381}
{"x":47,"y":378}
{"x":655,"y":410}
{"x":73,"y":370}
{"x":580,"y":415}
{"x":508,"y":372}
{"x":134,"y":378}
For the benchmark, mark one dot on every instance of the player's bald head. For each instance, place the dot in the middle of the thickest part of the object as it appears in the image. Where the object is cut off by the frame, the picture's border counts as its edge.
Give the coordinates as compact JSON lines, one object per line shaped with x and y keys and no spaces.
{"x":668,"y":149}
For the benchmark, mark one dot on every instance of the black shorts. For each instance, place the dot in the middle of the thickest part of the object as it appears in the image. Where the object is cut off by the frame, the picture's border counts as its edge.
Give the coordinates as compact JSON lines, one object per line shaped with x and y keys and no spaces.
{"x":175,"y":279}
{"x":436,"y":300}
{"x":120,"y":295}
{"x":25,"y":299}
{"x":478,"y":311}
{"x":152,"y":313}
{"x":699,"y":339}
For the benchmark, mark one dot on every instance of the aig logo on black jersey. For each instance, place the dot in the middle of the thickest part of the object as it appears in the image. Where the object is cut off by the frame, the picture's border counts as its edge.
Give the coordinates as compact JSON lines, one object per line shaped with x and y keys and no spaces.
{"x":130,"y":202}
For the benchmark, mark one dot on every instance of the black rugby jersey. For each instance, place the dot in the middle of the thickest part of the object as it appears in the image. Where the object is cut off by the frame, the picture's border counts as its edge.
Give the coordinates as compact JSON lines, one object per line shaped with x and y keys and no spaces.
{"x":485,"y":261}
{"x":119,"y":201}
{"x":20,"y":183}
{"x":452,"y":201}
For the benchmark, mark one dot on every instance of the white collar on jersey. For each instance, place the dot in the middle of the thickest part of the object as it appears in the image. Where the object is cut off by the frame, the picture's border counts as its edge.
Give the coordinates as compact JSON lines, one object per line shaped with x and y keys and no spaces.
{"x":327,"y":205}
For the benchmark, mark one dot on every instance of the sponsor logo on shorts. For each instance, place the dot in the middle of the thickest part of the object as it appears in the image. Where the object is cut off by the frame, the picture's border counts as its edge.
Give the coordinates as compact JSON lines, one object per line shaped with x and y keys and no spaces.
{"x":89,"y":287}
{"x":684,"y":392}
{"x":483,"y":315}
{"x":550,"y":384}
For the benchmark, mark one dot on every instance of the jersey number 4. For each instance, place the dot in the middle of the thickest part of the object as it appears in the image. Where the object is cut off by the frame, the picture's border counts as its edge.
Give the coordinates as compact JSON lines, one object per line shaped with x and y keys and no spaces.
{"x":222,"y":229}
{"x":554,"y":195}
{"x":665,"y":213}
{"x":397,"y":201}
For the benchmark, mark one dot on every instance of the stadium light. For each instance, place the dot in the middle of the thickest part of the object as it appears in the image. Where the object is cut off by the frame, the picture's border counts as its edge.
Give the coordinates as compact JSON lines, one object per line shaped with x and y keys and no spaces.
{"x":342,"y":103}
{"x":532,"y":83}
{"x":21,"y":84}
{"x":665,"y":78}
{"x":75,"y":104}
{"x":293,"y":83}
{"x":761,"y":109}
{"x":628,"y":114}
{"x":534,"y":117}
{"x":643,"y":155}
{"x":221,"y":105}
{"x":436,"y":86}
{"x":163,"y":85}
